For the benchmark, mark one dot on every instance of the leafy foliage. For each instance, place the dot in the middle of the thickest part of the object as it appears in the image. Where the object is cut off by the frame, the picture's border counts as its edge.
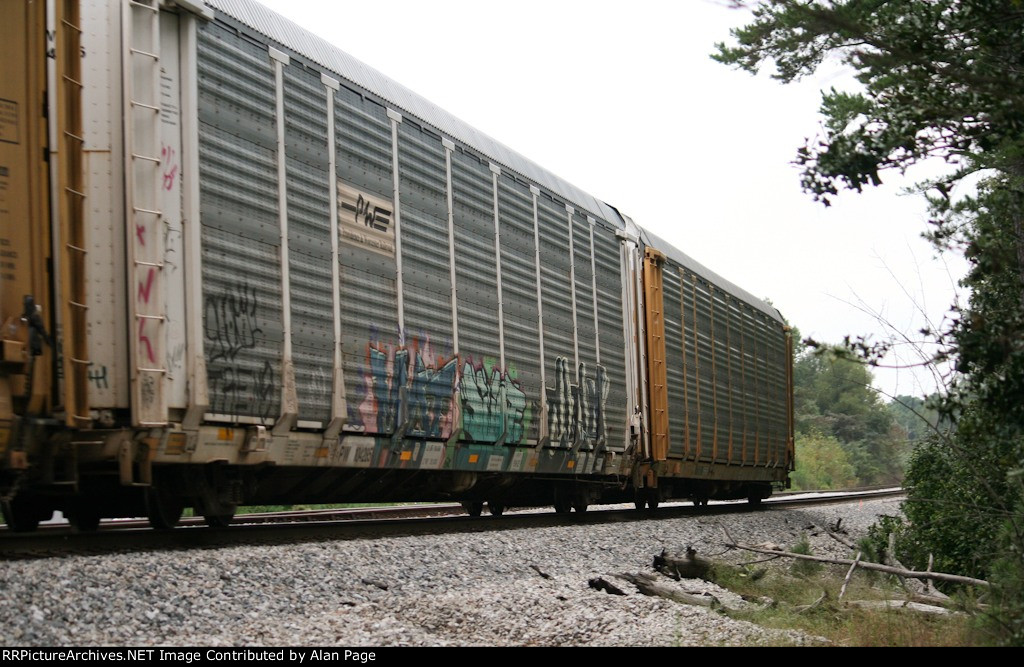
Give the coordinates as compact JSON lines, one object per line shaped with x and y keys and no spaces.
{"x":844,"y":433}
{"x":940,"y":79}
{"x":918,"y":417}
{"x":821,"y":463}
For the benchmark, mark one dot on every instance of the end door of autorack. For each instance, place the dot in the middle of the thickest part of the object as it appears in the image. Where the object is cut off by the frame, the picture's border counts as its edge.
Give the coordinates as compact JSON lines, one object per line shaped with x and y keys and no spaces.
{"x":42,"y":247}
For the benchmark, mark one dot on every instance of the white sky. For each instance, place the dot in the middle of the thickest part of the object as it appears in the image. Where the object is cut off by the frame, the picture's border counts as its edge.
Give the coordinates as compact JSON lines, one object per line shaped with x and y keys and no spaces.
{"x":622,"y":100}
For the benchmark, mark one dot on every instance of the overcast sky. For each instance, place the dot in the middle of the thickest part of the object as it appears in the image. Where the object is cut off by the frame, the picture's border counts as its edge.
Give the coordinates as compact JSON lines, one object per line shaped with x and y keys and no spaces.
{"x":622,"y":100}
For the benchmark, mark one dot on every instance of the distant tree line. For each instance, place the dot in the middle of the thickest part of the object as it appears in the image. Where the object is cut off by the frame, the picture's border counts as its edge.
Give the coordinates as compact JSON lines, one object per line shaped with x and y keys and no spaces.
{"x":846,"y":434}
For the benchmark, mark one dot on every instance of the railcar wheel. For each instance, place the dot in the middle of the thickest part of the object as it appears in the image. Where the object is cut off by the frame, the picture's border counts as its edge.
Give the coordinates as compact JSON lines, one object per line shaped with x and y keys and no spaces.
{"x":84,"y":519}
{"x":496,"y":509}
{"x":22,"y":517}
{"x":580,"y":506}
{"x":649,"y":502}
{"x":163,"y":509}
{"x":473,"y":509}
{"x":754,"y":500}
{"x":562,"y":506}
{"x":218,"y":520}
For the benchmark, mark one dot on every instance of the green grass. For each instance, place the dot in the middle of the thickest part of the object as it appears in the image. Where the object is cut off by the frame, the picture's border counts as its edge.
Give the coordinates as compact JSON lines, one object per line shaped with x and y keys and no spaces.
{"x":783,"y":600}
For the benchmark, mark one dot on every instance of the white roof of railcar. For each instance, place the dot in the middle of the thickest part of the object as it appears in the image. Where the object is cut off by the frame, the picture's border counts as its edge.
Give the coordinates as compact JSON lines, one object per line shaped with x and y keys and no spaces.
{"x":292,"y":36}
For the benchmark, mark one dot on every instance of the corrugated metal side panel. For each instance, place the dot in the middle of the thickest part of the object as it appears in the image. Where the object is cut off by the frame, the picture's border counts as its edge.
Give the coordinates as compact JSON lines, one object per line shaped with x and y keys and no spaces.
{"x":424,"y":239}
{"x":427,"y":283}
{"x":240,"y":233}
{"x":363,"y":137}
{"x":776,"y":393}
{"x":736,"y":388}
{"x":612,"y":391}
{"x":592,"y":380}
{"x":674,"y":362}
{"x":691,"y":388}
{"x":519,"y":292}
{"x":369,"y":301}
{"x":320,"y":51}
{"x":558,"y":326}
{"x":723,"y":416}
{"x":751,"y":389}
{"x":704,"y":372}
{"x":309,"y":240}
{"x":733,"y":387}
{"x":476,"y":278}
{"x":584,"y":294}
{"x":761,"y":386}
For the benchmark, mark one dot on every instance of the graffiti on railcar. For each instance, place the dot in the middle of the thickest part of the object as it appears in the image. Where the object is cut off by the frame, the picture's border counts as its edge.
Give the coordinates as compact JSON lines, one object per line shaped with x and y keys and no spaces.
{"x":96,"y":373}
{"x":413,"y":388}
{"x":231,"y":326}
{"x":428,"y":381}
{"x":231,"y":322}
{"x":577,"y":411}
{"x":493,"y":404}
{"x":170,"y":166}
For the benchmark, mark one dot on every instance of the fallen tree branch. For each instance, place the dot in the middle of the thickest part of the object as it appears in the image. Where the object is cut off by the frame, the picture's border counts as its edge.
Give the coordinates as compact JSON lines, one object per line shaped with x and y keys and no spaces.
{"x":602,"y":584}
{"x":890,"y":559}
{"x":807,"y":607}
{"x":930,"y":590}
{"x":900,"y":604}
{"x":846,"y":581}
{"x":911,"y":574}
{"x":688,"y":567}
{"x":649,"y":585}
{"x":839,"y":538}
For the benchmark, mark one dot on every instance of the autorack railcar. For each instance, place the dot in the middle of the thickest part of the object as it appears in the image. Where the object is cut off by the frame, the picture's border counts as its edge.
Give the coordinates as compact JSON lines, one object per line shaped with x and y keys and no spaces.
{"x":241,"y":267}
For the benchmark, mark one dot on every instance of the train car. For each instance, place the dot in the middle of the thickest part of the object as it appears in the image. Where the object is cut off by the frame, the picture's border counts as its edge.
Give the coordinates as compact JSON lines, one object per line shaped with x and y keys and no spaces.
{"x":242,"y":267}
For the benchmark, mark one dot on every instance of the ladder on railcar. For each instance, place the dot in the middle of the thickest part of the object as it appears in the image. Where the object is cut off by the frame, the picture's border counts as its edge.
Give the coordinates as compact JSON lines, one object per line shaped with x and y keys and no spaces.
{"x":71,"y":178}
{"x":145,"y":234}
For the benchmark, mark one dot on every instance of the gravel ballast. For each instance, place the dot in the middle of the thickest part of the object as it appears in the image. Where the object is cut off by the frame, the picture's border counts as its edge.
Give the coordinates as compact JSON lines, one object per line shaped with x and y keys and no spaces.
{"x":474,"y":589}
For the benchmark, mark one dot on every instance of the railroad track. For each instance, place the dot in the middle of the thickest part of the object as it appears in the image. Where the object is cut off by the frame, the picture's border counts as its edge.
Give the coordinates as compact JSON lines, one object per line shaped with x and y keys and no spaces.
{"x":58,"y":539}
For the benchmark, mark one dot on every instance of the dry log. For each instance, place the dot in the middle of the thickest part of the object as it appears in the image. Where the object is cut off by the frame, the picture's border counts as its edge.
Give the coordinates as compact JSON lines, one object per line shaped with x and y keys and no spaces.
{"x":602,"y":584}
{"x":649,"y":585}
{"x":687,"y":567}
{"x":839,"y":538}
{"x":939,"y":600}
{"x":900,"y":604}
{"x":910,"y":574}
{"x":846,"y":581}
